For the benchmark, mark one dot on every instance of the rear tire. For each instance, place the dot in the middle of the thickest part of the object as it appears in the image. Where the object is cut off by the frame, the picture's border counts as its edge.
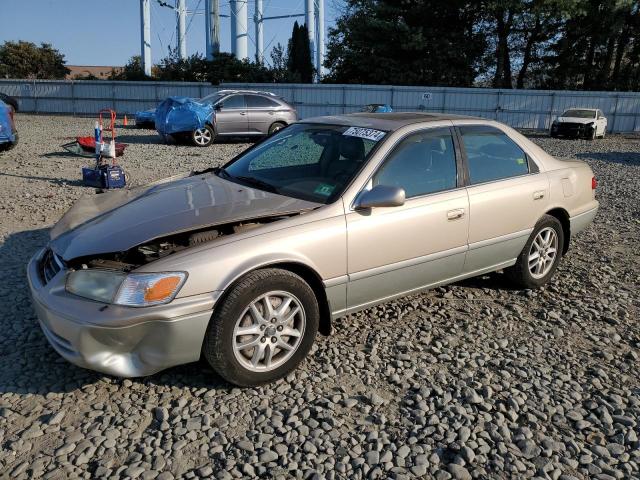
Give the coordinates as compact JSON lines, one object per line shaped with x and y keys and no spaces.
{"x":540,"y":256}
{"x":278,"y":334}
{"x":9,"y":145}
{"x":203,"y":137}
{"x":275,"y":127}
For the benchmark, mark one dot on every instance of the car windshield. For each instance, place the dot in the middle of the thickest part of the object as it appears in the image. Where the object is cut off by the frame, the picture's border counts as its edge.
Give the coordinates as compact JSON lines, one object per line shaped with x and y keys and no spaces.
{"x":580,"y":113}
{"x":211,"y":99}
{"x":312,"y":162}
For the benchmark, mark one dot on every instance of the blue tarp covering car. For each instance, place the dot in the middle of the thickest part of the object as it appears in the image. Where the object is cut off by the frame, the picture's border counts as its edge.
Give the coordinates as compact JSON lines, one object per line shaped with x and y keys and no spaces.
{"x":8,"y":133}
{"x":146,"y":118}
{"x":182,"y":114}
{"x":377,"y":108}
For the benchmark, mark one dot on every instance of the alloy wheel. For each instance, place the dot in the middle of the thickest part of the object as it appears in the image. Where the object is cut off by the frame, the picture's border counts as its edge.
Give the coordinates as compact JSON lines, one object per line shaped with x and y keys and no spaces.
{"x":543,"y":252}
{"x":269,"y":331}
{"x":202,"y":136}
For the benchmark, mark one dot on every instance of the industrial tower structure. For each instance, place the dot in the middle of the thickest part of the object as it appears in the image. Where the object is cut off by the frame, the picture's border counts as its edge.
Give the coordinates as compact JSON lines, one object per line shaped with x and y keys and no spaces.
{"x":239,"y":20}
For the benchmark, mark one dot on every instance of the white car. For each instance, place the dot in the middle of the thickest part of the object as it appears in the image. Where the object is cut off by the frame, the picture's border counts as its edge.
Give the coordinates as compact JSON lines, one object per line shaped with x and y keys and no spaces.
{"x":587,"y":123}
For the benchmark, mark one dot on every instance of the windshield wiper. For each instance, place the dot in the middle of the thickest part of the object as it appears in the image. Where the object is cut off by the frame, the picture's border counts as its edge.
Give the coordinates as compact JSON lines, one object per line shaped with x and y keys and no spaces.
{"x":255,"y":182}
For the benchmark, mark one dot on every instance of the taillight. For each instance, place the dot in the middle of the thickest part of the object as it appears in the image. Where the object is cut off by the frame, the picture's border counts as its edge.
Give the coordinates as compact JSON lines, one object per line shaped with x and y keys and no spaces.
{"x":594,"y":183}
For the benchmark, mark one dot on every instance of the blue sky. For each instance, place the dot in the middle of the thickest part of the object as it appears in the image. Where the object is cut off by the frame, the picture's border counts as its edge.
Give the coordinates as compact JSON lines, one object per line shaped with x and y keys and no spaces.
{"x":92,"y":32}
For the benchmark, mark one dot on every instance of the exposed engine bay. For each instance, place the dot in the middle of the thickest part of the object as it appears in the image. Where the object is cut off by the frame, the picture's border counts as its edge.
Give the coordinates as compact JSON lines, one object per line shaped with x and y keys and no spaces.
{"x":162,"y":247}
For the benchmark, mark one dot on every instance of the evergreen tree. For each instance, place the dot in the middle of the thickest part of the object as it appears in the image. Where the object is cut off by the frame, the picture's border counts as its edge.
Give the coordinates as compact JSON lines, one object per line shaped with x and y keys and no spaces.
{"x":410,"y":42}
{"x":299,"y":55}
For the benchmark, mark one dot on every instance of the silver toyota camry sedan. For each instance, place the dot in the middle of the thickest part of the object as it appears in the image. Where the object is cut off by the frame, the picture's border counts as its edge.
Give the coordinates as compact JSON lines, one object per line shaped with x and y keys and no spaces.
{"x":244,"y":264}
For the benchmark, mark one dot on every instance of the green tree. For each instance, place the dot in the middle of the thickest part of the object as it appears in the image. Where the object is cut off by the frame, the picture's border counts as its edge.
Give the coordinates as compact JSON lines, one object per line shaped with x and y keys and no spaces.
{"x":279,"y":65}
{"x":191,"y":69}
{"x":131,"y":71}
{"x":225,"y":67}
{"x":27,"y":60}
{"x":519,"y":34}
{"x":407,"y":42}
{"x":598,"y":47}
{"x":299,"y":55}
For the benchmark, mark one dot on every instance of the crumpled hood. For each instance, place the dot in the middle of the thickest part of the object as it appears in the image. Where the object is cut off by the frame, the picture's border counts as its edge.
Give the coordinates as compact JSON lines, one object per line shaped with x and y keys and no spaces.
{"x":116,"y":221}
{"x":584,"y":121}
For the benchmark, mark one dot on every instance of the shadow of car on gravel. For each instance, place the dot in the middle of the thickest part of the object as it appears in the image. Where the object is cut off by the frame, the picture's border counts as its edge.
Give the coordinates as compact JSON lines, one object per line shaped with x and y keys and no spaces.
{"x":56,"y":181}
{"x":29,"y":365}
{"x":151,"y":138}
{"x":621,"y":158}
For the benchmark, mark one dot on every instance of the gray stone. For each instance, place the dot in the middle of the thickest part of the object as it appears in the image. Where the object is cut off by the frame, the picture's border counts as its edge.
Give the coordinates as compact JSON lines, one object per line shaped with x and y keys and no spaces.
{"x":268,"y":456}
{"x":458,"y":472}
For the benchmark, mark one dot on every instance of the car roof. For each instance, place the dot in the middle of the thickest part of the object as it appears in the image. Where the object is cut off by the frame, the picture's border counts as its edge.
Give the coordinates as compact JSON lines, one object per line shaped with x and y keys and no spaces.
{"x":254,"y":92}
{"x":385,"y":121}
{"x":582,"y":108}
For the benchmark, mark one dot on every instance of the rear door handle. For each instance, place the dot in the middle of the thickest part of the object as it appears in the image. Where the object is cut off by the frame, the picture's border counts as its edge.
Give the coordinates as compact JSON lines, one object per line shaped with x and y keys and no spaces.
{"x":455,"y":214}
{"x":243,"y":113}
{"x":538,"y":195}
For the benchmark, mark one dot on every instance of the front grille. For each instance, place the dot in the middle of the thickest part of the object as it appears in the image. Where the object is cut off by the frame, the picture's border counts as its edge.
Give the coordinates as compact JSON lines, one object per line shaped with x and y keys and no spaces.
{"x":571,"y":127}
{"x":50,"y":265}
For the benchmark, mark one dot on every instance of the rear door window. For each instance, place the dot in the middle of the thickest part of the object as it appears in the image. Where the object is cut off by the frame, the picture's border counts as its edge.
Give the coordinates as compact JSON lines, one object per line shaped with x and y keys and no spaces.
{"x":492,"y":155}
{"x":256,"y":101}
{"x":234,"y":101}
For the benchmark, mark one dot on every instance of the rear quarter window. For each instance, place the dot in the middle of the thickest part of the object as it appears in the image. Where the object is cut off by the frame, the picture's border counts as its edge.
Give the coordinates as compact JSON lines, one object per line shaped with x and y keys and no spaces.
{"x":492,"y":155}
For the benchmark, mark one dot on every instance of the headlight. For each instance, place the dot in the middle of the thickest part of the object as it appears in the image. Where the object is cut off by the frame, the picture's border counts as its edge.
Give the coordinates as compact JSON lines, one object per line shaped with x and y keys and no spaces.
{"x":133,"y":290}
{"x":144,"y":289}
{"x":98,"y":285}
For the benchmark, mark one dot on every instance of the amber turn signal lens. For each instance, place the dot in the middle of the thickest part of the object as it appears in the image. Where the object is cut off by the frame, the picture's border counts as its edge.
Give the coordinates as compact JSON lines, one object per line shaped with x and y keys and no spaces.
{"x":161,"y":289}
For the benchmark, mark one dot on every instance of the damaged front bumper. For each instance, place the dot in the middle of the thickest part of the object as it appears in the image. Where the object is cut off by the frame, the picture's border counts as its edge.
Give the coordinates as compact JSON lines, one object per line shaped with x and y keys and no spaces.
{"x":116,"y":340}
{"x":576,"y":130}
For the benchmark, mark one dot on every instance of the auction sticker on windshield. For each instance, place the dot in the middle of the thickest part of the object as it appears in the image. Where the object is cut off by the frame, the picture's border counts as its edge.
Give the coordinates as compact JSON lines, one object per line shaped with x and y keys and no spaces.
{"x":361,"y":132}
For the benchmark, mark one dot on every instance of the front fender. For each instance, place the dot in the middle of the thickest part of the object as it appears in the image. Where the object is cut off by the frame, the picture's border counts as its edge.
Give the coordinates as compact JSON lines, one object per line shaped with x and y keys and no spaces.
{"x":318,"y":245}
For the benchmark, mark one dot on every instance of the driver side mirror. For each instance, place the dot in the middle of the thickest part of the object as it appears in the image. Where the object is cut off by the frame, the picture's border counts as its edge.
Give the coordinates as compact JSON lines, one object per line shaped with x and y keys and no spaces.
{"x":217,"y":107}
{"x":381,"y":196}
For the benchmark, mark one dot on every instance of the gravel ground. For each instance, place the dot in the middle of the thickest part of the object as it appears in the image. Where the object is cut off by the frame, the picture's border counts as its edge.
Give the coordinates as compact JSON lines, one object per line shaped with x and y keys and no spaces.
{"x":475,"y":380}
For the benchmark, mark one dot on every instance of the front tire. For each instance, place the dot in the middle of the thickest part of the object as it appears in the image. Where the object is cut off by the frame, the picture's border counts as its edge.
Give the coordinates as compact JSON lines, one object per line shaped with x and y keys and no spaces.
{"x":263,"y":328}
{"x":276,"y":127}
{"x":203,"y":137}
{"x":540,"y":256}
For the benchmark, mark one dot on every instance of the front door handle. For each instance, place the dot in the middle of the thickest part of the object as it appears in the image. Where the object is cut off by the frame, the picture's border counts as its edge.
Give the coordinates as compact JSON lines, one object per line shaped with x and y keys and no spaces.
{"x":538,"y":195}
{"x":243,"y":113}
{"x":455,"y":214}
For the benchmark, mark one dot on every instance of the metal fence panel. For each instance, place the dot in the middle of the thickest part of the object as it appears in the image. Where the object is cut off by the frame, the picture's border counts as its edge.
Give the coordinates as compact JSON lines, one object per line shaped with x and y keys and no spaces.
{"x":518,"y":108}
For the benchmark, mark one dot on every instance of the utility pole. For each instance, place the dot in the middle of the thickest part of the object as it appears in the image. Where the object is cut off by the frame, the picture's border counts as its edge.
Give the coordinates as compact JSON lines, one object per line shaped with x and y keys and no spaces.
{"x":239,"y":18}
{"x":212,"y":21}
{"x":181,"y":14}
{"x":320,"y":51}
{"x":258,"y":20}
{"x":145,"y":36}
{"x":311,"y":23}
